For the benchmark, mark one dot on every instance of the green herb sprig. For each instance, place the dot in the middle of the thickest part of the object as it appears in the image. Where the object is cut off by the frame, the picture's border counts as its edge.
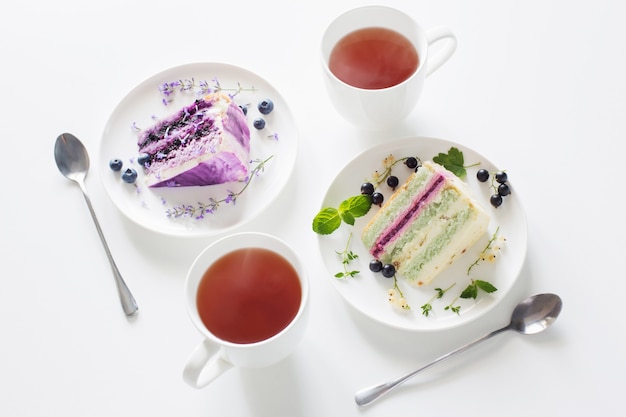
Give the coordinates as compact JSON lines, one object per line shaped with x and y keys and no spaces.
{"x":472,"y":290}
{"x":454,"y":161}
{"x":347,"y":256}
{"x":439,"y":293}
{"x":329,"y":219}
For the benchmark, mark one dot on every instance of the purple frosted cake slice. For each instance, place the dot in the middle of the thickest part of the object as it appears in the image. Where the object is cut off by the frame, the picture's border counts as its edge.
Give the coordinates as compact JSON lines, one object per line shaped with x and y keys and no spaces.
{"x":205,"y":143}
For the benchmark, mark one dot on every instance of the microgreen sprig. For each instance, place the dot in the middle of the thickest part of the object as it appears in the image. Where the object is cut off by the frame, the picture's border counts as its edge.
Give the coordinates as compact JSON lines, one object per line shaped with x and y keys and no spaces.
{"x":439,"y":293}
{"x":347,"y":256}
{"x":198,"y":212}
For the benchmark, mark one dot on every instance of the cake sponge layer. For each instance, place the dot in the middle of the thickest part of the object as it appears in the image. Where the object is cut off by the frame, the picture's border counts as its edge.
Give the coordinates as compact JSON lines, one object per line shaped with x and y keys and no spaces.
{"x":426,"y":224}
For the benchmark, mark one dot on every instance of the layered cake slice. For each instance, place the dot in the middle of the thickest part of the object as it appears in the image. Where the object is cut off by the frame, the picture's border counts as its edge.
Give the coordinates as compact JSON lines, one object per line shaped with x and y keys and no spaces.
{"x":427,"y":223}
{"x":205,"y":143}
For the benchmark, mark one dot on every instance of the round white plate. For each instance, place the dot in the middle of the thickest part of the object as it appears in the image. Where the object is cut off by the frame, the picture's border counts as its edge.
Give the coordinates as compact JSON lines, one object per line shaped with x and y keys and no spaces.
{"x":149,"y":207}
{"x":367,"y":291}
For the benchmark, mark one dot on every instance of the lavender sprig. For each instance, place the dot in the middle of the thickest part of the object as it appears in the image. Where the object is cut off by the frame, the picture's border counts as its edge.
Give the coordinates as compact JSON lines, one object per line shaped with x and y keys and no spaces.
{"x":203,"y":208}
{"x":200,"y":88}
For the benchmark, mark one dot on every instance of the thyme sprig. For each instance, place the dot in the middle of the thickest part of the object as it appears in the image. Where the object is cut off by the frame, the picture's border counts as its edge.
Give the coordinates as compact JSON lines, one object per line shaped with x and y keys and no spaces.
{"x":203,"y":208}
{"x":347,"y":256}
{"x":439,"y":293}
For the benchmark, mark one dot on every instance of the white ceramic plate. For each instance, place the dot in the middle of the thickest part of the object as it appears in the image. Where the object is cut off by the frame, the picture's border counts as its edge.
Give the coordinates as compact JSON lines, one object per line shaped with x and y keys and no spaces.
{"x":367,"y":291}
{"x":148,"y":206}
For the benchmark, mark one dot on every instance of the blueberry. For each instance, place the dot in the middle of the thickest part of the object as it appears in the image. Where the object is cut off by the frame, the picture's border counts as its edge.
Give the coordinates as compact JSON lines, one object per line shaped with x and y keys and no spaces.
{"x":388,"y":270}
{"x":496,"y":200}
{"x":129,"y":176}
{"x":501,"y":177}
{"x":376,"y":265}
{"x":367,"y":188}
{"x":265,"y":106}
{"x":377,"y":198}
{"x":116,"y":164}
{"x":393,"y":181}
{"x":143,"y":159}
{"x":411,"y":162}
{"x":482,"y":175}
{"x":259,"y":123}
{"x":244,"y":109}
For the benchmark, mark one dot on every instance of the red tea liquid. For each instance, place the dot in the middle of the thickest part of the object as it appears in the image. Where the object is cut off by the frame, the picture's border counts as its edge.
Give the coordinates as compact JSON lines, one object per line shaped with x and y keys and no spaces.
{"x":248,"y":295}
{"x":373,"y":58}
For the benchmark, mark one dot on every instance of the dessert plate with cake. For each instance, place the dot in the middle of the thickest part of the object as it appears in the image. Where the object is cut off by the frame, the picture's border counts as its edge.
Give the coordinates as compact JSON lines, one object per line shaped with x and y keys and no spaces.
{"x":436,"y":249}
{"x":198,"y":149}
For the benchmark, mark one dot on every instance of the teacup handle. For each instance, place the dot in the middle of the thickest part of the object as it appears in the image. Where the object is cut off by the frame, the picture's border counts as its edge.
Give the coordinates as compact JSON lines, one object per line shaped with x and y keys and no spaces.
{"x":205,"y":364}
{"x":441,"y":56}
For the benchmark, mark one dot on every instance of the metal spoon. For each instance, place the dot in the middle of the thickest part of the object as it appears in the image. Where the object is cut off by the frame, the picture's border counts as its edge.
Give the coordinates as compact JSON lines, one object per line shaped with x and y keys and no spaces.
{"x":530,"y":316}
{"x":73,"y":161}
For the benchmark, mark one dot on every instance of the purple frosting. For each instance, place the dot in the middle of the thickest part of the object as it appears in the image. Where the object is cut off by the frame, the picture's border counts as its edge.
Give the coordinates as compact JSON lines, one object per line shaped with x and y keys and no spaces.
{"x":193,"y":133}
{"x":225,"y":167}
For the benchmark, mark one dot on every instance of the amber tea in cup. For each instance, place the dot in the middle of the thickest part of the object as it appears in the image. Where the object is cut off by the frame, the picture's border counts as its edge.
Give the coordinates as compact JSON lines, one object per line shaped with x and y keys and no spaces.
{"x":373,"y":58}
{"x":248,"y":295}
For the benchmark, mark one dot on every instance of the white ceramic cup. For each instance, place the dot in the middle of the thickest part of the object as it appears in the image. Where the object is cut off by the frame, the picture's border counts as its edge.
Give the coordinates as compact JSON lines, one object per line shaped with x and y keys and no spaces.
{"x":380,"y":108}
{"x":214,"y":356}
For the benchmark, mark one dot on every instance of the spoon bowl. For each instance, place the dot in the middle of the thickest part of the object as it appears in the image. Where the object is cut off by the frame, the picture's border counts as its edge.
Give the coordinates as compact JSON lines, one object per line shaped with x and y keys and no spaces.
{"x":530,"y":316}
{"x":536,"y":313}
{"x":72,"y":160}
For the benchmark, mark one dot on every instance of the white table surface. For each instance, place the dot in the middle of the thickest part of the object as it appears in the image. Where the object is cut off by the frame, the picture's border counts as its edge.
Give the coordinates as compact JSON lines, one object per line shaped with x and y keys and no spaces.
{"x":536,"y":86}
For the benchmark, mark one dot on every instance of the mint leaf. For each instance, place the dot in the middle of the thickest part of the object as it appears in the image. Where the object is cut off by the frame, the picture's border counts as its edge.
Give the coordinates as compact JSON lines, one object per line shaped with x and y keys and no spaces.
{"x":329,"y":219}
{"x":347,"y":217}
{"x":356,"y":206}
{"x":470,"y":292}
{"x":485,"y":286}
{"x":326,"y":221}
{"x":453,"y":161}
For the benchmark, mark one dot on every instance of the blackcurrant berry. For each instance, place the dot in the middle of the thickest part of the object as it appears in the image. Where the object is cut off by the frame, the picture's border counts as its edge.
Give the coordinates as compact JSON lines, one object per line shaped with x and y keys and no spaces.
{"x":388,"y":270}
{"x":367,"y":188}
{"x":504,"y":189}
{"x":501,"y":177}
{"x":376,"y":265}
{"x":116,"y":164}
{"x":259,"y":123}
{"x":496,"y":200}
{"x":377,"y":198}
{"x":411,"y":162}
{"x":265,"y":106}
{"x":129,"y":176}
{"x":393,"y":181}
{"x":482,"y":175}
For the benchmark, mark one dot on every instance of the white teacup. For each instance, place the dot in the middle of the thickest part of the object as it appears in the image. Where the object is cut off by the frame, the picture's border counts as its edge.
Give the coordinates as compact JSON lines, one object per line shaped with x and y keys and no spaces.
{"x":382,"y":107}
{"x":215,"y":355}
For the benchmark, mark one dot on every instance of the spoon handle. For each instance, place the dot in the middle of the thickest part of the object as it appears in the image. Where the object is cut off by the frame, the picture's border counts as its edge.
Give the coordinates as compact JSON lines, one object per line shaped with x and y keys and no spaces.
{"x":129,"y":305}
{"x":368,"y":395}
